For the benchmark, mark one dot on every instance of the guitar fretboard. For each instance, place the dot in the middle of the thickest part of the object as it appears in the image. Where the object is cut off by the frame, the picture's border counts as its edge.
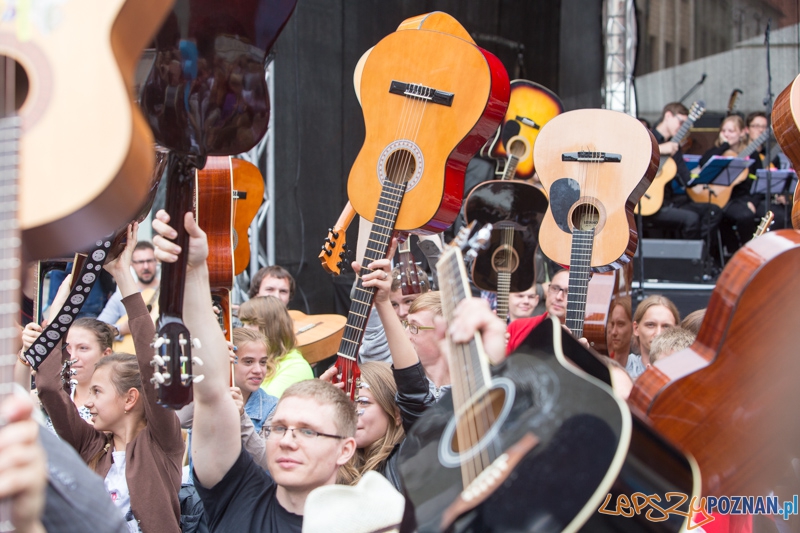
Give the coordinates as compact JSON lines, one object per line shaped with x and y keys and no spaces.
{"x":11,"y":259}
{"x":377,"y":245}
{"x":579,"y":273}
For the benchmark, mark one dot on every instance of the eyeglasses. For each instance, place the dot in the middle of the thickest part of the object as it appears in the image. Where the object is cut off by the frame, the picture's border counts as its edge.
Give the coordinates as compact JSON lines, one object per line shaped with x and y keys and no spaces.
{"x":555,"y":289}
{"x":414,"y":329}
{"x":144,"y":262}
{"x":305,"y":433}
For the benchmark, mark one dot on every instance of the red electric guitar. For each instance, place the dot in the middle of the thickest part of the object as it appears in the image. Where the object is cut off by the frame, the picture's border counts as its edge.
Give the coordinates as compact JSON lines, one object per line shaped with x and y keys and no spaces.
{"x":431,"y":98}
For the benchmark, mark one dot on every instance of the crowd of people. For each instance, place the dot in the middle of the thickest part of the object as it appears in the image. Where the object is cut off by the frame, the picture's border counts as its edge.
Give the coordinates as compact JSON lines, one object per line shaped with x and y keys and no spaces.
{"x":262,"y":432}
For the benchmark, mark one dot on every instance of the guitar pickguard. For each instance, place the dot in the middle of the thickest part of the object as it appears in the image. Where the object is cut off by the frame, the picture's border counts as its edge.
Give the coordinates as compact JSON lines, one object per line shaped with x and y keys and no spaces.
{"x":564,"y":193}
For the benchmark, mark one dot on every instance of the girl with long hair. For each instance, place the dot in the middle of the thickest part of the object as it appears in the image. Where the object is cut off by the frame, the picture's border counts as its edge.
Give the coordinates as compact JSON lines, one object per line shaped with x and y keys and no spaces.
{"x":135,"y":444}
{"x":268,"y":315}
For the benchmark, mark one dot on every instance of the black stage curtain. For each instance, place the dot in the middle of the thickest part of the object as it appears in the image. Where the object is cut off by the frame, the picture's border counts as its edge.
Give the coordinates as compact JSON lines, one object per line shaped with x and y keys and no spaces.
{"x":318,"y":123}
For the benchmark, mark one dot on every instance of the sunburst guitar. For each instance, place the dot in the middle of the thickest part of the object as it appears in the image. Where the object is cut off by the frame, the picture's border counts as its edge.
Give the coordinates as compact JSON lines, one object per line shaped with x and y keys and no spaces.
{"x":530,"y":107}
{"x":79,"y":59}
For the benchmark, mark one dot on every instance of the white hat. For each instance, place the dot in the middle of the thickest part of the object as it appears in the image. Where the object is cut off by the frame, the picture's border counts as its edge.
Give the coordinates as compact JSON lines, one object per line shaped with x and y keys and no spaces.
{"x":371,"y":505}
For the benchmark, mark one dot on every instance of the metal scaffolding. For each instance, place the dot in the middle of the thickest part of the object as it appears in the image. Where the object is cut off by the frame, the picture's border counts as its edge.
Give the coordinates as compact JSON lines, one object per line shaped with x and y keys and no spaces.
{"x":620,"y":39}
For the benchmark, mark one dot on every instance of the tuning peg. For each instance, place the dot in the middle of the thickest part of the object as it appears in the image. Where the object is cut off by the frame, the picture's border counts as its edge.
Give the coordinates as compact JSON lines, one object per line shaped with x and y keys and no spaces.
{"x":182,"y":341}
{"x":157,"y":379}
{"x":198,"y":379}
{"x":184,"y":359}
{"x":197,"y":361}
{"x":159,"y":342}
{"x":157,"y":361}
{"x":344,"y":247}
{"x":184,"y":378}
{"x":342,"y":254}
{"x":196,"y":343}
{"x":167,"y":376}
{"x":336,"y":235}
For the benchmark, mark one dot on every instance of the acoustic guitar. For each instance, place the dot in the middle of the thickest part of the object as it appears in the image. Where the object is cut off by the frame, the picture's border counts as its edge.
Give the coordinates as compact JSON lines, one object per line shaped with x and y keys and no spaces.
{"x":785,"y":119}
{"x":718,"y":399}
{"x":602,"y":293}
{"x":721,"y":194}
{"x":196,"y":105}
{"x":318,"y":336}
{"x":653,"y":198}
{"x":430,"y":100}
{"x":593,"y":181}
{"x":534,"y":444}
{"x":79,"y":56}
{"x":530,"y":106}
{"x":334,"y":249}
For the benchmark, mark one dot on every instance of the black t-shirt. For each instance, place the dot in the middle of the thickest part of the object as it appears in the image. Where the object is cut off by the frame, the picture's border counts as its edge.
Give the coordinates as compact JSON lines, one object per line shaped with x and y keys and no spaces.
{"x":245,"y":500}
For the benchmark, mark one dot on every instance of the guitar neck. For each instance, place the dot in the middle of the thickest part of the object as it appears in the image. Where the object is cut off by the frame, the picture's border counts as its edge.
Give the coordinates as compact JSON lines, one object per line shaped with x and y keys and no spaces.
{"x":503,"y":289}
{"x":511,"y":167}
{"x":377,"y":246}
{"x":468,"y":367}
{"x":9,"y":230}
{"x":579,"y":273}
{"x":180,"y":200}
{"x":751,"y":148}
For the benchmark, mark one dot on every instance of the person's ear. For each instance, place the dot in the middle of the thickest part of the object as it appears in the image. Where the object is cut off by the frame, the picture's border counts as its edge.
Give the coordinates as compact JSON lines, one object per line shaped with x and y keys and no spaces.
{"x":348,"y":449}
{"x":131,"y":399}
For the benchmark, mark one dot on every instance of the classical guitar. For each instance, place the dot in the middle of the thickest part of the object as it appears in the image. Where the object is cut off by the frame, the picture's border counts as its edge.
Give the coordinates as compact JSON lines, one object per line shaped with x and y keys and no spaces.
{"x":785,"y":119}
{"x":334,"y":250}
{"x":196,"y":105}
{"x":412,"y":280}
{"x":721,"y":194}
{"x":653,"y":198}
{"x":81,"y":56}
{"x":718,"y":400}
{"x":535,"y":441}
{"x":593,"y":181}
{"x":530,"y":106}
{"x":318,"y":336}
{"x":763,"y":226}
{"x":425,"y":113}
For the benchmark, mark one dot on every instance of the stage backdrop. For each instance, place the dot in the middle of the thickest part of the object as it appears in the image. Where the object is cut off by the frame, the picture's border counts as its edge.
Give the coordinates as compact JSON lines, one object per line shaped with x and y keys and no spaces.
{"x":318,"y":123}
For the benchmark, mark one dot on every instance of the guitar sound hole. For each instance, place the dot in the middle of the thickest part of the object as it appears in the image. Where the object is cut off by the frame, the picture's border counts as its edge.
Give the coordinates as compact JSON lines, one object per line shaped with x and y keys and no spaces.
{"x":585,"y":216}
{"x":400,"y":166}
{"x":518,"y":147}
{"x":21,"y":83}
{"x":505,"y":259}
{"x":477,"y":419}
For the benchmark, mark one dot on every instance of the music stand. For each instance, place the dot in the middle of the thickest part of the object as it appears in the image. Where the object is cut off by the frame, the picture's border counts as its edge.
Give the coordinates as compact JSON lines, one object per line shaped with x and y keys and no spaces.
{"x":720,"y":171}
{"x":783,"y":182}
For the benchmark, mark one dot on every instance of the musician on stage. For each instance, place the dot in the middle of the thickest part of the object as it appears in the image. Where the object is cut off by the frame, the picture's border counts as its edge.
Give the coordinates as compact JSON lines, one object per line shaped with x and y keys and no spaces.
{"x":690,"y":219}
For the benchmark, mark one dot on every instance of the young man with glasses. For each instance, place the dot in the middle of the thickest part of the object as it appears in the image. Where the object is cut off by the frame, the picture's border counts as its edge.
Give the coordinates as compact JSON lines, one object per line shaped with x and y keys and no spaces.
{"x":310,"y":435}
{"x":145,"y":268}
{"x":555,"y":303}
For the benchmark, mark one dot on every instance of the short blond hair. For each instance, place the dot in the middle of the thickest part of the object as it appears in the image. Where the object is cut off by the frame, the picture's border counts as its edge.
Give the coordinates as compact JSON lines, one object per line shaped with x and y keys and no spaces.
{"x":324,"y":393}
{"x":429,"y":301}
{"x":669,"y":341}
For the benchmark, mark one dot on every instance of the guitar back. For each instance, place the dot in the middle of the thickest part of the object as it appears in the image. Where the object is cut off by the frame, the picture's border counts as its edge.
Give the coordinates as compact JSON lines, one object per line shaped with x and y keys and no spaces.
{"x":530,"y":107}
{"x":604,"y":192}
{"x":730,"y":398}
{"x":785,"y":118}
{"x":428,"y":145}
{"x":81,"y":71}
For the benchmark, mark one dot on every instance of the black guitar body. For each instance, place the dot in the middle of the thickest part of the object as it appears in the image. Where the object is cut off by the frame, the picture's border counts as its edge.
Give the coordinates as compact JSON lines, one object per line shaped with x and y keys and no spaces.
{"x":508,"y":205}
{"x":581,"y":429}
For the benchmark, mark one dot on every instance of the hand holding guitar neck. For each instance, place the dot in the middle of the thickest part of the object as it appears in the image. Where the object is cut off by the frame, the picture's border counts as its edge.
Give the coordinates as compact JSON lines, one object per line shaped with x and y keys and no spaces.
{"x":120,"y":266}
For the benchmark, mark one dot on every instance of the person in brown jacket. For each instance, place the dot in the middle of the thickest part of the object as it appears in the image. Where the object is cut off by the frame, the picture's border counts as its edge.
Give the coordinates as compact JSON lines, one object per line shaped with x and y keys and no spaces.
{"x":135,"y":445}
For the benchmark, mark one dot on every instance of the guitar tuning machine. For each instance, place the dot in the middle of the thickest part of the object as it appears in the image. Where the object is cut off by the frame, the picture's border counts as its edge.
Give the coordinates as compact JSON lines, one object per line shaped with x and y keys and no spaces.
{"x":196,"y":343}
{"x":159,"y":342}
{"x":197,"y":361}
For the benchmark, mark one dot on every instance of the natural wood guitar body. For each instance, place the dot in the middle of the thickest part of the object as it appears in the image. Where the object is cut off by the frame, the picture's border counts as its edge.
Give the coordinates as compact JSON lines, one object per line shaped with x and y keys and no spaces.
{"x":730,"y":399}
{"x":785,"y":115}
{"x":81,"y":71}
{"x":609,"y":189}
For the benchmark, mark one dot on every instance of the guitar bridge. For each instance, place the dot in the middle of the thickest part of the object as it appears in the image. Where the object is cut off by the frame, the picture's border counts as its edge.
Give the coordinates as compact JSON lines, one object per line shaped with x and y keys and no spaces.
{"x":415,"y":90}
{"x":591,"y":157}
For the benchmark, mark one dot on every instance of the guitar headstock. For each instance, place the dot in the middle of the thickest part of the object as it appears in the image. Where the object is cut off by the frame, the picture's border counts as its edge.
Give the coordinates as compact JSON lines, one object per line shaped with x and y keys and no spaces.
{"x":410,"y":280}
{"x":470,"y":243}
{"x":697,"y":110}
{"x":68,"y":381}
{"x":172,"y":365}
{"x":333,"y":256}
{"x":763,"y":226}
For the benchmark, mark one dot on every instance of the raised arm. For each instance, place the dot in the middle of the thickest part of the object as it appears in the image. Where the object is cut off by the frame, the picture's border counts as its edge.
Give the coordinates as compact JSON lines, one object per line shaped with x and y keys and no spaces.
{"x":215,"y":434}
{"x":162,"y":423}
